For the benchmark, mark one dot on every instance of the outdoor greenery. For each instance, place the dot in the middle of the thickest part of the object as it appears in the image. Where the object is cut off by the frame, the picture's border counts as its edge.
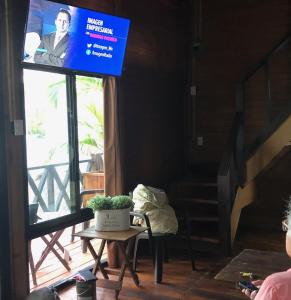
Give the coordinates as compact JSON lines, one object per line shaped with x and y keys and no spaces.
{"x":109,"y":203}
{"x":41,"y":133}
{"x":35,"y":126}
{"x":91,"y":125}
{"x":93,"y":140}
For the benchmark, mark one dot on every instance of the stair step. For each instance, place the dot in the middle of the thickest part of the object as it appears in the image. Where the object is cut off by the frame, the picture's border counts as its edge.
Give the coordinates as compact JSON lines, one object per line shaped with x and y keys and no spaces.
{"x":203,"y":219}
{"x":202,"y":238}
{"x":194,"y":189}
{"x":194,"y":199}
{"x":198,"y":200}
{"x":200,"y":193}
{"x":206,"y":218}
{"x":197,"y":245}
{"x":207,"y":231}
{"x":197,"y":183}
{"x":203,"y":170}
{"x":213,"y":240}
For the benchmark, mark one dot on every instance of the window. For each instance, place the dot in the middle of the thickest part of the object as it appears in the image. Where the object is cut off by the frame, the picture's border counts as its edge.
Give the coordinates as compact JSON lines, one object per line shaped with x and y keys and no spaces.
{"x":47,"y":145}
{"x":64,"y":140}
{"x":90,"y":123}
{"x":90,"y":113}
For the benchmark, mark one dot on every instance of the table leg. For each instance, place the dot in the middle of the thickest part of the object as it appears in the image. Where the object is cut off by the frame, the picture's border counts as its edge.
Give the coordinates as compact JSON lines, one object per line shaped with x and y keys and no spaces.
{"x":127,"y":262}
{"x":83,"y":243}
{"x":50,"y":247}
{"x":90,"y":247}
{"x":97,"y":257}
{"x":60,"y":246}
{"x":31,"y":264}
{"x":43,"y":255}
{"x":57,"y":242}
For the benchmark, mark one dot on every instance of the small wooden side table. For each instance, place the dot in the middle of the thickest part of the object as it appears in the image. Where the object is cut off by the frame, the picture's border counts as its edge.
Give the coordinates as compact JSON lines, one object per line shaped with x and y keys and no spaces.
{"x":53,"y":245}
{"x":119,"y":237}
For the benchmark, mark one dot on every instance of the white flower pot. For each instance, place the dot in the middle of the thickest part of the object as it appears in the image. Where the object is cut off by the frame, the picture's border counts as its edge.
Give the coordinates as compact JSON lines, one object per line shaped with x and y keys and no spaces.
{"x":112,"y":220}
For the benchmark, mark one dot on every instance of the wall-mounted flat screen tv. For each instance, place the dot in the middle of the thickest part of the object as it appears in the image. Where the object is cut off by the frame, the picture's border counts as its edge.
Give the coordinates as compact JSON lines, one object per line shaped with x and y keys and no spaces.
{"x":74,"y":38}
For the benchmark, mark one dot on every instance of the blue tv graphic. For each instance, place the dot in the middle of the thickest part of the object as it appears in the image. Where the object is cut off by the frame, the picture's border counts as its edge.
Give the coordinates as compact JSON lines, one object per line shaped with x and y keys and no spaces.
{"x":99,"y":43}
{"x":93,"y":42}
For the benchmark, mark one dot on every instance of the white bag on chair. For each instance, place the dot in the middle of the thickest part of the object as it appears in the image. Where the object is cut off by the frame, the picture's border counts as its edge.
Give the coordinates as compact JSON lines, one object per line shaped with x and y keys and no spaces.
{"x":154,"y":203}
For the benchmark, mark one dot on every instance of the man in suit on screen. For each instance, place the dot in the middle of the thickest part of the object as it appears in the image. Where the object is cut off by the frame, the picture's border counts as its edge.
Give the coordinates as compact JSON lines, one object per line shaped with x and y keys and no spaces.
{"x":53,"y":47}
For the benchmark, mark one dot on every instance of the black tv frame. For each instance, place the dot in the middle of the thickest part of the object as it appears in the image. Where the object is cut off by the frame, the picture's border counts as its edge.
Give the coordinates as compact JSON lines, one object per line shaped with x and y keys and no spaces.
{"x":64,"y":70}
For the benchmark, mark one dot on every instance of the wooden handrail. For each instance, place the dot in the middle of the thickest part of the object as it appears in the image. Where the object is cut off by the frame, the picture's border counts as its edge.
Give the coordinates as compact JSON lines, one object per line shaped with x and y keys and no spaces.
{"x":234,"y":149}
{"x":243,"y":152}
{"x":260,"y":139}
{"x":43,"y":189}
{"x":232,"y":168}
{"x":267,"y":57}
{"x":228,"y":181}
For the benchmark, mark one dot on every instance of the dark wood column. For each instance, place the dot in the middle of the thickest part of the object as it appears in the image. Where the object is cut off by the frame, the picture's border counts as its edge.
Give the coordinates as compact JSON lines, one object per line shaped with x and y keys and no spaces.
{"x":14,"y":266}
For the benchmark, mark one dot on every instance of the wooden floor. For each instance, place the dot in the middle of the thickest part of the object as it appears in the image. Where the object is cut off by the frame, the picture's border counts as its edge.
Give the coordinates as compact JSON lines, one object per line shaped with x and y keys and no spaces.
{"x":180,"y":282}
{"x":52,"y":270}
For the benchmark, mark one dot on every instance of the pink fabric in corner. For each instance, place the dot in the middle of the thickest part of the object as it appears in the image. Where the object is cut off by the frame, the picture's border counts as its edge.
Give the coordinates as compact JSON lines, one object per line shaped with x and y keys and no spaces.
{"x":276,"y":287}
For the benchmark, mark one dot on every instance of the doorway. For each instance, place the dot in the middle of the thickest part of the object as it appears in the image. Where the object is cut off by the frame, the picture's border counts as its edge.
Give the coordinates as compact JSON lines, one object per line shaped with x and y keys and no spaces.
{"x":64,"y":119}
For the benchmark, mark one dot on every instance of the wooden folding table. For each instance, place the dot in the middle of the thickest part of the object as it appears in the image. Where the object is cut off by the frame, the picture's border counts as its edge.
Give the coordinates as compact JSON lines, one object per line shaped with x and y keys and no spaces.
{"x":120,"y":237}
{"x":52,"y":244}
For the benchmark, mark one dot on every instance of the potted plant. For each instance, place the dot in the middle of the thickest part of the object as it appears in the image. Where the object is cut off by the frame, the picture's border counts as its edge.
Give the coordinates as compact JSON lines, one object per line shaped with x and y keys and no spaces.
{"x":111,"y":213}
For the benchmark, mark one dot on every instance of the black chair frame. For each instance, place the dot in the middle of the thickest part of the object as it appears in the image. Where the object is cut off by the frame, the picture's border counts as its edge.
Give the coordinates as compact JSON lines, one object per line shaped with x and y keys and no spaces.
{"x":158,"y":246}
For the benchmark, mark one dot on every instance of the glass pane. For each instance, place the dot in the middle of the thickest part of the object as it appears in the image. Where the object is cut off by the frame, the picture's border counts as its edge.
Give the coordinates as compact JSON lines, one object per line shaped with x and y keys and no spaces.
{"x":90,"y":134}
{"x":47,"y":145}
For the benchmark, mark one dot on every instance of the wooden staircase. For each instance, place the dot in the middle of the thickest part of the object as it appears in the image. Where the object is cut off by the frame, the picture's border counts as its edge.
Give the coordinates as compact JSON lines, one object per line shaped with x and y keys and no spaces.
{"x":208,"y":205}
{"x":196,"y":205}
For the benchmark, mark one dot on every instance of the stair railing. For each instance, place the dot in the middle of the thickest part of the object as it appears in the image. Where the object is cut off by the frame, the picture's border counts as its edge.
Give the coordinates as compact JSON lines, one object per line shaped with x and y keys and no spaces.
{"x":232,"y":168}
{"x":228,"y":180}
{"x":241,"y":99}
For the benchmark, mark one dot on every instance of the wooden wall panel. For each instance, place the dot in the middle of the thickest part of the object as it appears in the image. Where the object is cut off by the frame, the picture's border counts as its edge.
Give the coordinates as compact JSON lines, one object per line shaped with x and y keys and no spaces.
{"x":106,"y":6}
{"x":256,"y":117}
{"x":152,"y":88}
{"x":12,"y":20}
{"x":151,"y":99}
{"x":235,"y":36}
{"x":153,"y":150}
{"x":280,"y":76}
{"x":152,"y":93}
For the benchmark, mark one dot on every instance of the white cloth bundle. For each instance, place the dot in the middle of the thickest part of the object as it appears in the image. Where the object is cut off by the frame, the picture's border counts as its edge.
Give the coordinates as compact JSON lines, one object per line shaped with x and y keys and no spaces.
{"x":154,"y":203}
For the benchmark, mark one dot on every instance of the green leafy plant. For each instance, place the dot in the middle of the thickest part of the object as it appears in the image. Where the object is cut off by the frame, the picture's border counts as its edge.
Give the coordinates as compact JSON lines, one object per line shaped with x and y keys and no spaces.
{"x":93,"y":140}
{"x":35,"y":126}
{"x":109,"y":203}
{"x":122,"y":201}
{"x":92,"y":127}
{"x":100,"y":202}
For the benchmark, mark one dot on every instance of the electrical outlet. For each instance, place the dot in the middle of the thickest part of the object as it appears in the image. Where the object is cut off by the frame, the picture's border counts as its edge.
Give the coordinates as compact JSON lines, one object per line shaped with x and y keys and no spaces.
{"x":193,"y":90}
{"x":200,"y":141}
{"x":18,"y":127}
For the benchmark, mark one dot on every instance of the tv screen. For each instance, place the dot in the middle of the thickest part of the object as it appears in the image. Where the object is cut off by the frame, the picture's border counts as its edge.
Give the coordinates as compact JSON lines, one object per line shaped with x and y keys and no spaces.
{"x":74,"y":38}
